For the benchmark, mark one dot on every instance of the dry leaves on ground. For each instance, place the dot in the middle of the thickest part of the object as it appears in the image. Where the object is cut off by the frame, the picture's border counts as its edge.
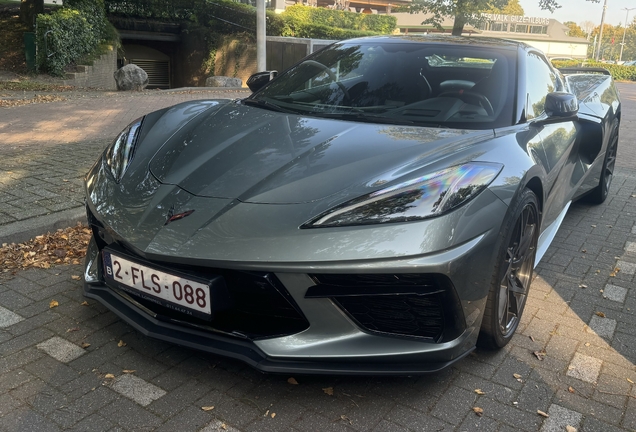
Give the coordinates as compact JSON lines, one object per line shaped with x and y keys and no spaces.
{"x":328,"y":390}
{"x":542,"y":414}
{"x":66,"y":246}
{"x":36,"y":99}
{"x":478,"y":411}
{"x":292,"y":381}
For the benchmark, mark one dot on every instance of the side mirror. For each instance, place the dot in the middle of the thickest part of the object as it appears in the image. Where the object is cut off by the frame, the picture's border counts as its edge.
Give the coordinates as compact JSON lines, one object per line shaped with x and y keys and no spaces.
{"x":561,"y":104}
{"x":259,"y":79}
{"x":559,"y":107}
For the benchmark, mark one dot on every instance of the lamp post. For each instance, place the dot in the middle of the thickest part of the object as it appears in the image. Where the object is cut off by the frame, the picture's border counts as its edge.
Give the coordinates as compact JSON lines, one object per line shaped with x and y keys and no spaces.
{"x":600,"y":36}
{"x":260,"y":36}
{"x":620,"y":58}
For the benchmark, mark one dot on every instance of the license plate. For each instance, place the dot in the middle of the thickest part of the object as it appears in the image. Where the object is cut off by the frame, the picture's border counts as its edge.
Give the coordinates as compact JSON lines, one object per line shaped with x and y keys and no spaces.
{"x":169,"y":290}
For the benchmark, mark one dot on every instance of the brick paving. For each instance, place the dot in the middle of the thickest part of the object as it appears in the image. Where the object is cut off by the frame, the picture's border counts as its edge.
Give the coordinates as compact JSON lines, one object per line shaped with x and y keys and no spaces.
{"x":77,"y":367}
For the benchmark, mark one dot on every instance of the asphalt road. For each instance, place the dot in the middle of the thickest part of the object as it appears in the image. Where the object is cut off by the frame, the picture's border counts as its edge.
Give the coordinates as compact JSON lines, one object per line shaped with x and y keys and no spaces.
{"x":581,"y":312}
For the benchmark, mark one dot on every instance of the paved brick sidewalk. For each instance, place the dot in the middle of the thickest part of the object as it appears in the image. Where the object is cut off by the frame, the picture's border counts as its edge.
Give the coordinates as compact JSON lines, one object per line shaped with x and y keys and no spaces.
{"x":46,"y":149}
{"x":582,"y":317}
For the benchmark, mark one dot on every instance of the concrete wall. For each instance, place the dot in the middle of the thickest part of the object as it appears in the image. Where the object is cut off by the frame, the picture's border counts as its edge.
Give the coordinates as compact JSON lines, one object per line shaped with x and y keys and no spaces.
{"x":99,"y":75}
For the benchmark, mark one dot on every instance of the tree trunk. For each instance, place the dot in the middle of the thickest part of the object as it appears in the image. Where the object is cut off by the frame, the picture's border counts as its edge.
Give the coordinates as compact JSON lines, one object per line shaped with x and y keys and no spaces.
{"x":29,"y":9}
{"x":458,"y":25}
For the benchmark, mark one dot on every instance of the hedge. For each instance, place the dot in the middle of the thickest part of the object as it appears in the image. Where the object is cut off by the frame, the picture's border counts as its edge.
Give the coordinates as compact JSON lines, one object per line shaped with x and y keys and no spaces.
{"x":619,"y":72}
{"x":319,"y":31}
{"x":299,"y":15}
{"x":71,"y":37}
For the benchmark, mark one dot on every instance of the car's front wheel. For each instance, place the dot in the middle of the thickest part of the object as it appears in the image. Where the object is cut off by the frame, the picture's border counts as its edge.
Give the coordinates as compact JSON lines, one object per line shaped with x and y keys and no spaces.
{"x":513,"y":272}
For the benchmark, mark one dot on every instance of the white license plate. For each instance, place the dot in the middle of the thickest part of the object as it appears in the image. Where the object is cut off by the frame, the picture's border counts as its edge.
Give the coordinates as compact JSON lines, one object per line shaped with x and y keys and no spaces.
{"x":180,"y":293}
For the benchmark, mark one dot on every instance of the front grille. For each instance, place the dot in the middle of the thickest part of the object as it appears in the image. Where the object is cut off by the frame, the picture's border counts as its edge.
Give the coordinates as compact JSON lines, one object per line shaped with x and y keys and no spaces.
{"x":252,"y":305}
{"x":423,"y":306}
{"x":407,"y":315}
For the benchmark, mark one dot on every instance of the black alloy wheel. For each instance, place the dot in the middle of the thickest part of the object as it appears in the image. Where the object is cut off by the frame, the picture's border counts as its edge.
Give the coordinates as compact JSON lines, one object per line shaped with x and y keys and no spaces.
{"x":517,"y":275}
{"x":513,"y":272}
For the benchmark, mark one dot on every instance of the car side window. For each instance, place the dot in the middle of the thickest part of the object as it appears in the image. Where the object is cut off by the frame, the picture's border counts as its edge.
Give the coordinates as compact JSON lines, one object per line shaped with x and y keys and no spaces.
{"x":541,"y":80}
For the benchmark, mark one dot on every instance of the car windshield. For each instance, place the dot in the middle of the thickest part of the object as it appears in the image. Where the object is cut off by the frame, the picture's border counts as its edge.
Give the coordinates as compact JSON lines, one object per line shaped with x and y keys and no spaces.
{"x":457,"y":86}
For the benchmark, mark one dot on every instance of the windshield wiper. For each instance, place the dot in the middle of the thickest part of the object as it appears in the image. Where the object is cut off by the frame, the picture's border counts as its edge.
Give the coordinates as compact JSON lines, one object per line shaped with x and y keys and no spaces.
{"x":368,"y":118}
{"x":267,"y":105}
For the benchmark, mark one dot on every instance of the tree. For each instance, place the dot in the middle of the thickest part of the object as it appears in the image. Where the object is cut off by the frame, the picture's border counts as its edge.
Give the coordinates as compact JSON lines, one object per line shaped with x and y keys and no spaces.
{"x":575,"y":30}
{"x":29,"y":9}
{"x":512,"y":8}
{"x":465,"y":11}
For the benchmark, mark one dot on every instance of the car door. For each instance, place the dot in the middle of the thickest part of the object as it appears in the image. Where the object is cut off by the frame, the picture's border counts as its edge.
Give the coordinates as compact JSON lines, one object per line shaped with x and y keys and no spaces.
{"x":558,"y":139}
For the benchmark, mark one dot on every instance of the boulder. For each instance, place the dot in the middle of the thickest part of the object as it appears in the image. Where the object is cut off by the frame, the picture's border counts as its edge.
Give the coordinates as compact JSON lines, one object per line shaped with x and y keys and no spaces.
{"x":223,"y":81}
{"x":131,"y":77}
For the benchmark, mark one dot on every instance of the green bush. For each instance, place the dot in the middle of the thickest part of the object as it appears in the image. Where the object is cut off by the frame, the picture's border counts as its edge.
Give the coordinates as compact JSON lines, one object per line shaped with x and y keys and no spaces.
{"x":73,"y":32}
{"x":320,"y":31}
{"x":299,"y":15}
{"x":618,"y":72}
{"x":70,"y":37}
{"x":94,"y":12}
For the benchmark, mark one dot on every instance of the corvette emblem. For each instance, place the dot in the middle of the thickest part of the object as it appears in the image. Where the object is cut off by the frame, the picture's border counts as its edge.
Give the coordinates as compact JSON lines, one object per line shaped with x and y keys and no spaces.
{"x":175,"y":217}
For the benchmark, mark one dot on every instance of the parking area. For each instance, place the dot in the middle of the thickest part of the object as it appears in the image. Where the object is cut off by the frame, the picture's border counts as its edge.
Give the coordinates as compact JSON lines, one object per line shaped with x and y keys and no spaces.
{"x":77,"y":366}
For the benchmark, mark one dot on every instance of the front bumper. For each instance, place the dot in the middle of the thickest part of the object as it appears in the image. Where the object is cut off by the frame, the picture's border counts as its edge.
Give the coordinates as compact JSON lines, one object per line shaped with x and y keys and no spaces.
{"x":333,"y":343}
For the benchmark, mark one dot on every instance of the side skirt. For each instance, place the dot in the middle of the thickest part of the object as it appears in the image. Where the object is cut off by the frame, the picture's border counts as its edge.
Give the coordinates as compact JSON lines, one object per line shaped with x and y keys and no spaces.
{"x":546,"y":237}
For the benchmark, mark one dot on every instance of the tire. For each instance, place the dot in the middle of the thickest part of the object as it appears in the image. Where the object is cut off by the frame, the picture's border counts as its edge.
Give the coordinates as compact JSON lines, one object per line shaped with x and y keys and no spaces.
{"x":598,"y":195}
{"x":513,"y":273}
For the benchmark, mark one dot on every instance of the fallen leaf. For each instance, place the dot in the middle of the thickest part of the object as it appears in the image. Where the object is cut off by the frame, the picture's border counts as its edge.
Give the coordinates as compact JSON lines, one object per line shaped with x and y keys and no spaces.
{"x":121,"y":343}
{"x":328,"y":390}
{"x":478,"y":411}
{"x":600,"y":314}
{"x":76,"y":277}
{"x":84,"y":303}
{"x":129,"y":371}
{"x":85,"y":345}
{"x":517,"y":377}
{"x":480,"y":392}
{"x":593,"y":226}
{"x":223,"y":426}
{"x":569,"y":428}
{"x":571,"y":390}
{"x":53,"y":304}
{"x":273,"y":415}
{"x":542,"y":414}
{"x":207,"y":408}
{"x":74,"y":329}
{"x":292,"y":381}
{"x":531,"y":338}
{"x":540,"y":354}
{"x":582,"y":286}
{"x":266,"y":413}
{"x":630,"y":381}
{"x":345,"y":418}
{"x":109,"y":376}
{"x":587,"y":344}
{"x":584,"y":251}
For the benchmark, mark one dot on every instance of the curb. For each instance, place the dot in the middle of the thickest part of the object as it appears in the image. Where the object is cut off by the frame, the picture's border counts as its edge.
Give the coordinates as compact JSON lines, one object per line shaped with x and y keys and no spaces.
{"x":21,"y":231}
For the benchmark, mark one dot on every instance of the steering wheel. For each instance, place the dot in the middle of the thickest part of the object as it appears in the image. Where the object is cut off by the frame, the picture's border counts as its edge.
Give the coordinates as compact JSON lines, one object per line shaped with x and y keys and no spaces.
{"x":470,"y":97}
{"x":331,"y":75}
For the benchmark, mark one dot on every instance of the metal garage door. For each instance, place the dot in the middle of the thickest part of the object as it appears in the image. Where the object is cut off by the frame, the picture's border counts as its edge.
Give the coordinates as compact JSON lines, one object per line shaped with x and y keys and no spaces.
{"x":158,"y":72}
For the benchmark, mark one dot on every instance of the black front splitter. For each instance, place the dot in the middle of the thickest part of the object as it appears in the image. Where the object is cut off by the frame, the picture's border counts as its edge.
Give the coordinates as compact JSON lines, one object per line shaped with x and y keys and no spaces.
{"x":245,"y":350}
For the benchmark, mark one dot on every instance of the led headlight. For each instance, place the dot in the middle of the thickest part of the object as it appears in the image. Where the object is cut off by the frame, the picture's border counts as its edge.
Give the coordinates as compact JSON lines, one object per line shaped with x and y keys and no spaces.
{"x":424,"y":197}
{"x":122,"y":150}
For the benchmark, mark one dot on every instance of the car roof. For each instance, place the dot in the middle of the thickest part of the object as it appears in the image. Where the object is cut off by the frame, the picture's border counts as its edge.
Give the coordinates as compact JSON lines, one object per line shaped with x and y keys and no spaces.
{"x":484,"y":42}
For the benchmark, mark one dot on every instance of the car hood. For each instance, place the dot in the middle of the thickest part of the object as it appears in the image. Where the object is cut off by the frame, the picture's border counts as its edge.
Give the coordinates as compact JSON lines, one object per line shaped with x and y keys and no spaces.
{"x":261,"y":156}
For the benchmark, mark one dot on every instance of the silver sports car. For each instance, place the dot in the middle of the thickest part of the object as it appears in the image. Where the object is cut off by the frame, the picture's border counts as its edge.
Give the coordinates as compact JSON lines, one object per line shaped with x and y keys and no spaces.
{"x":377,"y":208}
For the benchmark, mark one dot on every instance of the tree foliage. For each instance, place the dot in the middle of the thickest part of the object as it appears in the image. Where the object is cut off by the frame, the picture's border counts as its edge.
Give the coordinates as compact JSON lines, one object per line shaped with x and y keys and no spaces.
{"x":511,"y":8}
{"x":467,"y":11}
{"x":574,"y":29}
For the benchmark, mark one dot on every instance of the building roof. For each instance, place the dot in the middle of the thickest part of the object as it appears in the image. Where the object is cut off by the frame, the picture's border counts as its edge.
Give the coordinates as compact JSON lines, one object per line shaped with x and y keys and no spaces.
{"x":556,"y":31}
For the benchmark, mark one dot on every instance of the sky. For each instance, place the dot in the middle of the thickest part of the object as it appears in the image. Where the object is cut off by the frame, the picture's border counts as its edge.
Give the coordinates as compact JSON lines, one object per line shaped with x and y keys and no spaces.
{"x":583,"y":10}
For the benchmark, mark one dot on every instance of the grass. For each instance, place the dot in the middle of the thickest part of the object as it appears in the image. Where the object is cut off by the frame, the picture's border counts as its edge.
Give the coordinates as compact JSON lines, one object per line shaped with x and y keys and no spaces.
{"x":26,"y":85}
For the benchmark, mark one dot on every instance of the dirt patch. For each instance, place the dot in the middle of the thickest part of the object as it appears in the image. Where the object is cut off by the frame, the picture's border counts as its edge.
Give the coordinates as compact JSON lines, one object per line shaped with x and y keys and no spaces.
{"x":12,"y":41}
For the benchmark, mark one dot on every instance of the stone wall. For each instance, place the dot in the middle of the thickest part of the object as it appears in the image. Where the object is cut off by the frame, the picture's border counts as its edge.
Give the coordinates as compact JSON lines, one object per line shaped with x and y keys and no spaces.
{"x":99,"y":75}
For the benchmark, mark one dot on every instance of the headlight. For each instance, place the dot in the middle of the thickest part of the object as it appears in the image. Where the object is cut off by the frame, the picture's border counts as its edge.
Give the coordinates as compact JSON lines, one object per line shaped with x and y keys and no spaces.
{"x":122,"y":150}
{"x":424,"y":197}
